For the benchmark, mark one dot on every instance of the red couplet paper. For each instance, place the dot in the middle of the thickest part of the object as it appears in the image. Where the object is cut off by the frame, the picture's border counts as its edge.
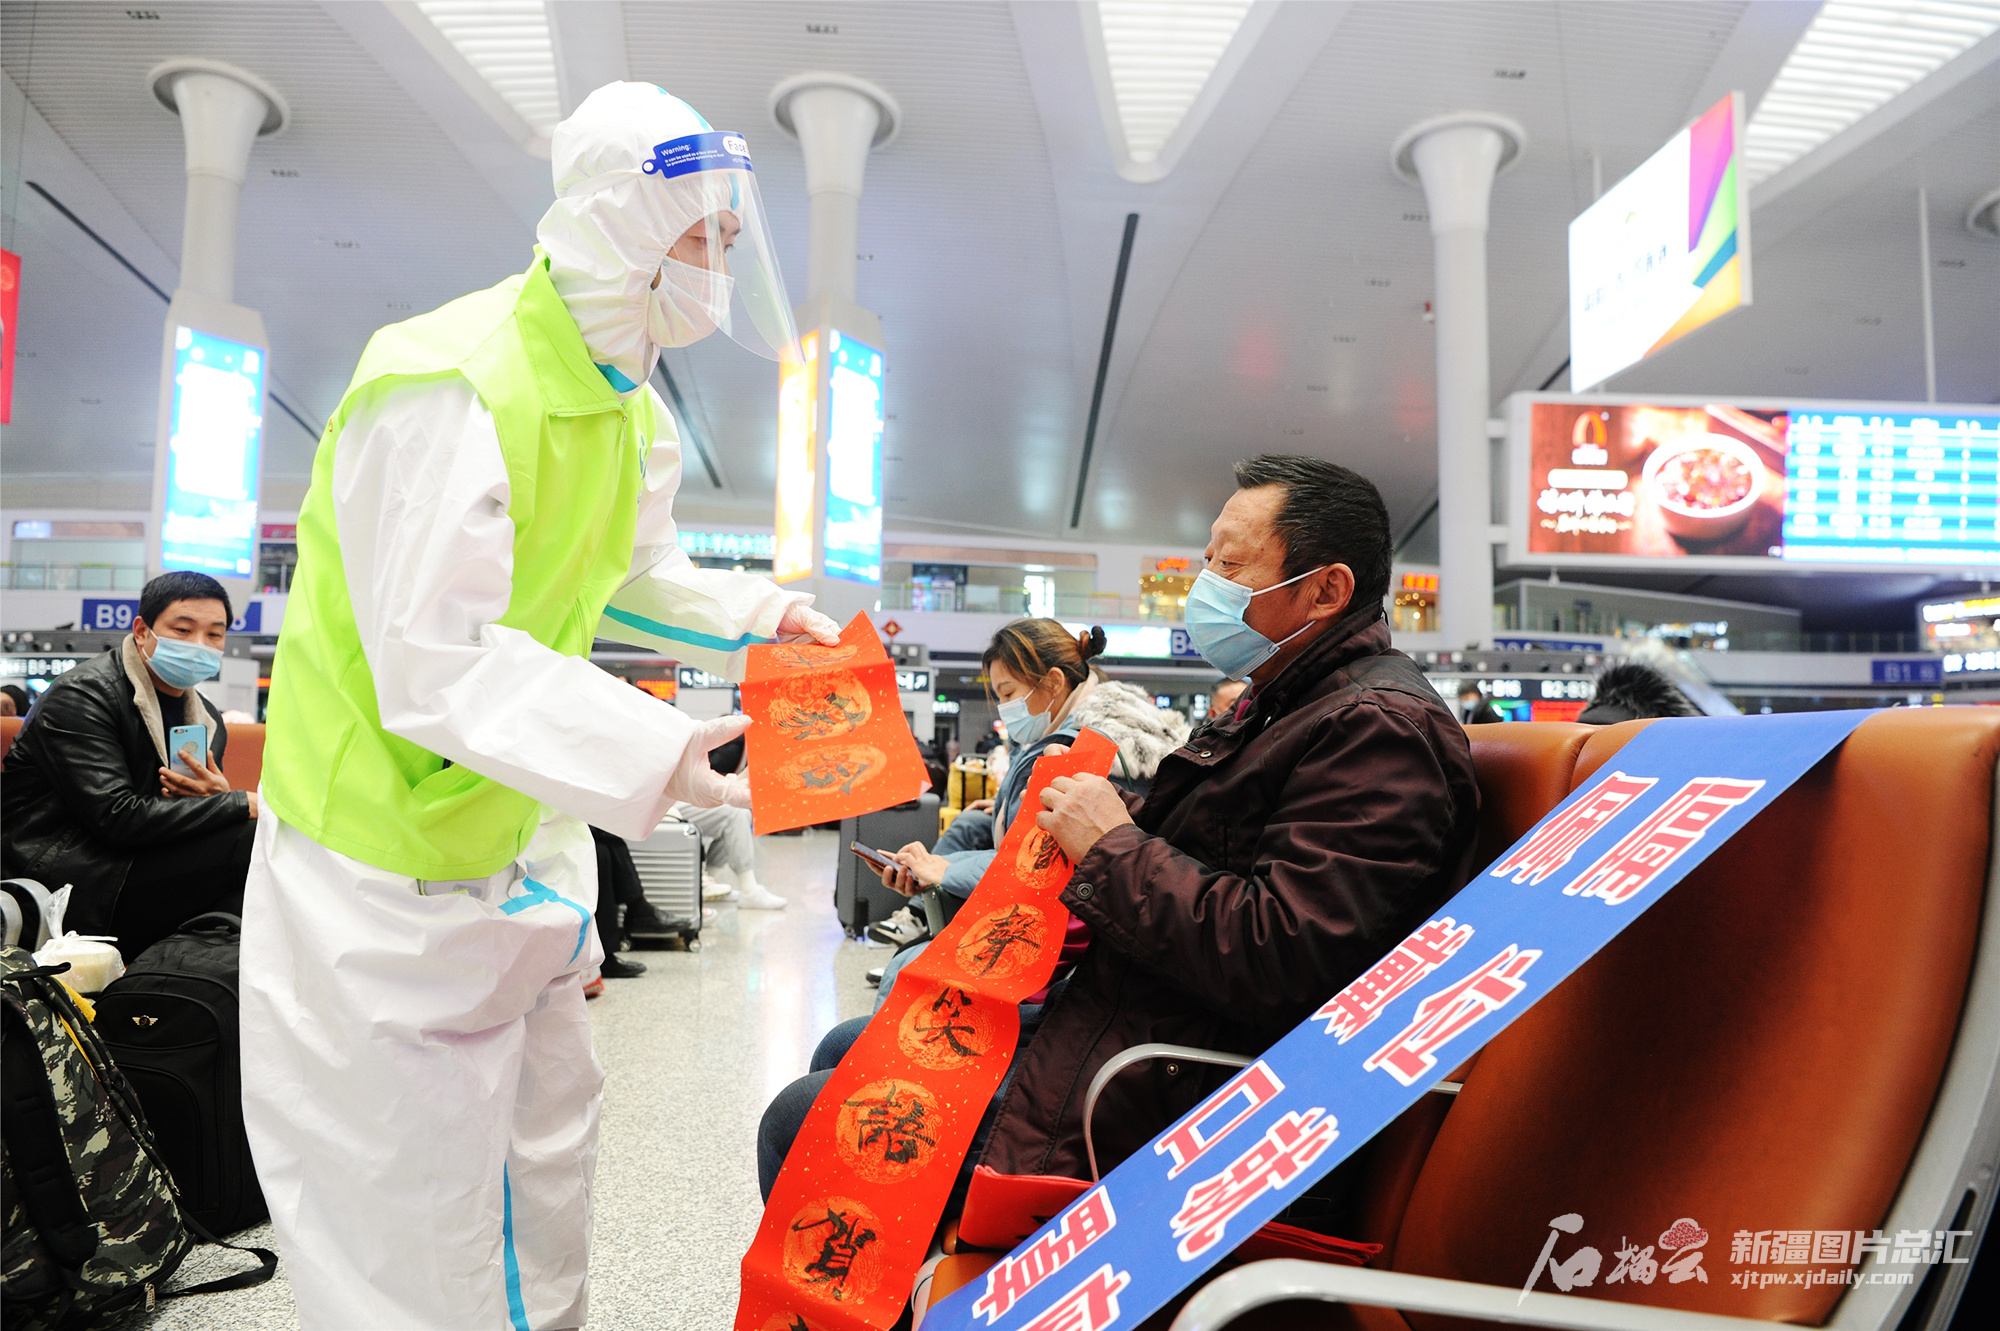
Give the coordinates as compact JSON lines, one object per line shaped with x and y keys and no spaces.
{"x":853,"y":1214}
{"x":831,"y":740}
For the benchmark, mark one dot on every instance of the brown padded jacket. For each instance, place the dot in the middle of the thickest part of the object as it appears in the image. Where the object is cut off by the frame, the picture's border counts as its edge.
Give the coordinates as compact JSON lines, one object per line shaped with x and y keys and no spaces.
{"x":1277,"y":857}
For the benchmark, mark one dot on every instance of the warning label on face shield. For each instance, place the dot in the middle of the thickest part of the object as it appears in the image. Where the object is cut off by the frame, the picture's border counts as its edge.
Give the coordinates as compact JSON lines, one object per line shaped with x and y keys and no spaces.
{"x":714,"y":151}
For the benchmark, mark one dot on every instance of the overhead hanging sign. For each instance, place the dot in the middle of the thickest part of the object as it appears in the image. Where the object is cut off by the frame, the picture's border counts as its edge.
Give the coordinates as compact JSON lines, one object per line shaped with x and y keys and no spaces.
{"x":1664,"y":251}
{"x":209,"y":518}
{"x":1629,"y":833}
{"x":10,"y":309}
{"x":1752,"y":484}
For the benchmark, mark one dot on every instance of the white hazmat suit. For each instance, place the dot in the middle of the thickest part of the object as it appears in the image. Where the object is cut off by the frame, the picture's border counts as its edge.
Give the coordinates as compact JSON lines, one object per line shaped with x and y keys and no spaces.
{"x":419,"y":1087}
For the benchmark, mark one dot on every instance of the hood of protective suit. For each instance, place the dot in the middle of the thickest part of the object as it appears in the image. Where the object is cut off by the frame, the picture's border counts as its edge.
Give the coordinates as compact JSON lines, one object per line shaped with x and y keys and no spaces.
{"x":609,"y":230}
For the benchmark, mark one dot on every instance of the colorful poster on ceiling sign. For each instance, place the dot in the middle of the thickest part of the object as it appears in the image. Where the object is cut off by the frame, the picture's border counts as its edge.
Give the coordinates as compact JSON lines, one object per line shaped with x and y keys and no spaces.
{"x":1663,"y":252}
{"x":10,"y":307}
{"x":1628,"y":834}
{"x":851,"y":1216}
{"x":831,"y":740}
{"x":1655,"y":481}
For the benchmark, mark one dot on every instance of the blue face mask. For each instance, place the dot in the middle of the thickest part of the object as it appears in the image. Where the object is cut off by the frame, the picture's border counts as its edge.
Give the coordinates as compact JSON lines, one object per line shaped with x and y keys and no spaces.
{"x":1023,"y":726}
{"x":1215,"y":608}
{"x":182,"y":665}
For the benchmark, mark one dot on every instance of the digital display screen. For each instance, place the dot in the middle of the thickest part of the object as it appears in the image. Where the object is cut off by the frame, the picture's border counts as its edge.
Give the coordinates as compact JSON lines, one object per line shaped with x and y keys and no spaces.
{"x":853,"y":536}
{"x":798,"y":429}
{"x":1663,"y":252}
{"x":215,"y":436}
{"x":1893,"y":487}
{"x":1726,"y":485}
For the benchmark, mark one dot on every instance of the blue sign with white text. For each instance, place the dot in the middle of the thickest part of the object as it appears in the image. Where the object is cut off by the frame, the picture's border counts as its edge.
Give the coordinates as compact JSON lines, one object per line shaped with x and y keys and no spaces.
{"x":115,"y":615}
{"x":1923,"y":670}
{"x":1663,"y":803}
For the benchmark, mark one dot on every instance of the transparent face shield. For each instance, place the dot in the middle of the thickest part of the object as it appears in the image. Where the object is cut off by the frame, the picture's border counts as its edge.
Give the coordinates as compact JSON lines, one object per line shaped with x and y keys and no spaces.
{"x":722,"y":272}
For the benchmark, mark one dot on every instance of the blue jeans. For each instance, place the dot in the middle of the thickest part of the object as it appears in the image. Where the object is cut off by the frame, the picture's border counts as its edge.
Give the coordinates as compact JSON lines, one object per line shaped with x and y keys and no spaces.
{"x":786,"y":1113}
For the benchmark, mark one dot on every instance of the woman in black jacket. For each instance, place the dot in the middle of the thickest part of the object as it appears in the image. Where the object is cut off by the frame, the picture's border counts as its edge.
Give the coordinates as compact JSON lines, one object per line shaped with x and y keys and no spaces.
{"x":90,"y":798}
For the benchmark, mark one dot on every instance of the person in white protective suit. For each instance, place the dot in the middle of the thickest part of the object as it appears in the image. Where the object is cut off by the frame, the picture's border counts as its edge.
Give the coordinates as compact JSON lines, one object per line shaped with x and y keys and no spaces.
{"x":495,"y":490}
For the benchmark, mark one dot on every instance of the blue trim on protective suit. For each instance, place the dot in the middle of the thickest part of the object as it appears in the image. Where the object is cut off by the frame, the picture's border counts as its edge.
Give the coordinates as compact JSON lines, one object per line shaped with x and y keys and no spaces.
{"x":538,"y":893}
{"x":517,"y":1311}
{"x":616,"y":378}
{"x":692,"y":637}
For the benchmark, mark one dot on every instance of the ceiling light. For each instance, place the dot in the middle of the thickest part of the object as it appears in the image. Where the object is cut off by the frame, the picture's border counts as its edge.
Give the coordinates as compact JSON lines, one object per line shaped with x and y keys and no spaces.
{"x":507,"y":43}
{"x":1853,"y":58}
{"x":1159,"y":55}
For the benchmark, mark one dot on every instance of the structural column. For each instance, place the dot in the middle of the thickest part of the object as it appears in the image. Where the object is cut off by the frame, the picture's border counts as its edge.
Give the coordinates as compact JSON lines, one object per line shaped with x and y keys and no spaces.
{"x":223,"y":111}
{"x":838,"y":120}
{"x":1456,"y":159}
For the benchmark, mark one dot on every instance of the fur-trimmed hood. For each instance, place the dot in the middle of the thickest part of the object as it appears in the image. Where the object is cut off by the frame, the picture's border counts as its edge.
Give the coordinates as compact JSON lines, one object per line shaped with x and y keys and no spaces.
{"x":1144,"y":732}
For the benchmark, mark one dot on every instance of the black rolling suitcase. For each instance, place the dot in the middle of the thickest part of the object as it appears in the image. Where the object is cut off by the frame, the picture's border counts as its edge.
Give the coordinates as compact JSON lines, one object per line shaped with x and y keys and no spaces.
{"x":858,"y":895}
{"x":171,"y":1024}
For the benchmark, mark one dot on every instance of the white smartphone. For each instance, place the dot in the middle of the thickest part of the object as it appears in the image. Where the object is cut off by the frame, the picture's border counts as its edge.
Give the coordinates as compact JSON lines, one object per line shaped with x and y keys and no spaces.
{"x":182,"y":738}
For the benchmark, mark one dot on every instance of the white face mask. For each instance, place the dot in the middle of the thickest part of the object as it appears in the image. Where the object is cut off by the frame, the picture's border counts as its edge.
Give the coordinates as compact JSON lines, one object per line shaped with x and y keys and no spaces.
{"x":687,"y":305}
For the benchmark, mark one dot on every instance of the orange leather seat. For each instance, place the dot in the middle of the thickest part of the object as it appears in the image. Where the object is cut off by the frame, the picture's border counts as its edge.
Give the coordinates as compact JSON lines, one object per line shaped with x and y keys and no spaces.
{"x":1759,"y":1051}
{"x":242,"y":761}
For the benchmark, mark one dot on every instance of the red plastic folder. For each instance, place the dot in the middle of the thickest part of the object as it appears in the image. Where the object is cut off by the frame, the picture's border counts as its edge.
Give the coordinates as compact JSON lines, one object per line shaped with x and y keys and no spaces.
{"x":831,"y":740}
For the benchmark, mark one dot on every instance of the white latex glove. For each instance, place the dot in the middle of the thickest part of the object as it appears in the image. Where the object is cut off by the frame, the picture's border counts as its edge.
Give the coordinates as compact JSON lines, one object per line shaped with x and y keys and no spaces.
{"x":695,"y":782}
{"x":802,"y":623}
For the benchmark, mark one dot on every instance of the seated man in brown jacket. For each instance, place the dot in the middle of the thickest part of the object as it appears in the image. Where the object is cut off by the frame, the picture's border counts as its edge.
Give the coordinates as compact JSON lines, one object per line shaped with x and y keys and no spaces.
{"x":1281,"y":852}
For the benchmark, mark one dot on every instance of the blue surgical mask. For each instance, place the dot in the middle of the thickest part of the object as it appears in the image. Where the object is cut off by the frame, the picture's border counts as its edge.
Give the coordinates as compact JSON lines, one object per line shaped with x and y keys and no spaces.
{"x":182,"y":665}
{"x":1215,"y":608}
{"x":1023,"y":726}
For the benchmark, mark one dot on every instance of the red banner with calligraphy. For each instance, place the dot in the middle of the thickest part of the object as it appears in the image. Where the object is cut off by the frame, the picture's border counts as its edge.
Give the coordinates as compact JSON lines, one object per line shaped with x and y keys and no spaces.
{"x":854,"y":1211}
{"x":831,"y":740}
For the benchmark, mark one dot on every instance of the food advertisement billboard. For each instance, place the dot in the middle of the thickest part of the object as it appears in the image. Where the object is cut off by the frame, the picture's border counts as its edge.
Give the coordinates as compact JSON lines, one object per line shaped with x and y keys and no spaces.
{"x":1663,"y":252}
{"x":209,"y":523}
{"x":1609,"y":481}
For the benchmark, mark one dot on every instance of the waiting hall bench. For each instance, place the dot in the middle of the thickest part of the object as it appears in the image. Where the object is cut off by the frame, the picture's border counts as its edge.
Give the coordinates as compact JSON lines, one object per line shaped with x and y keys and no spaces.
{"x":1803,"y":1035}
{"x":242,"y":761}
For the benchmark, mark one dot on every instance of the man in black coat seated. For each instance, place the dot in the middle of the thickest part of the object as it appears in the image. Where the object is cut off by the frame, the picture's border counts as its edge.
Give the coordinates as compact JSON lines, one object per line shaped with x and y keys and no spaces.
{"x":90,"y":797}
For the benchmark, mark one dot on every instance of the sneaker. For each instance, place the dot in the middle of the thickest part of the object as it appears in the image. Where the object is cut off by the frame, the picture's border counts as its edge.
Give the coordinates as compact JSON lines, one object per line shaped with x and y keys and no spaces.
{"x":901,"y":929}
{"x":874,"y":977}
{"x":758,"y":897}
{"x":714,"y":889}
{"x":594,"y":986}
{"x":617,"y":968}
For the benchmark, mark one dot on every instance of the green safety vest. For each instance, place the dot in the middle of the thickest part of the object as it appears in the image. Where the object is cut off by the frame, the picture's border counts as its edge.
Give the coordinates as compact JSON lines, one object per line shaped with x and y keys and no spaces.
{"x":574,"y":451}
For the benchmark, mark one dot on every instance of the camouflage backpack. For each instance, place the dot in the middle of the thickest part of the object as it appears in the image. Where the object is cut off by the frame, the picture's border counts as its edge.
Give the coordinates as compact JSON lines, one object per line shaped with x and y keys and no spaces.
{"x":93,"y":1225}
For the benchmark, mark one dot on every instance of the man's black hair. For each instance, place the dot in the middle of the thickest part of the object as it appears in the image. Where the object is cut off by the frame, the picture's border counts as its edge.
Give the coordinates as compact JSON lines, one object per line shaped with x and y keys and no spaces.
{"x":164,"y":590}
{"x":1330,"y":515}
{"x":1632,"y":691}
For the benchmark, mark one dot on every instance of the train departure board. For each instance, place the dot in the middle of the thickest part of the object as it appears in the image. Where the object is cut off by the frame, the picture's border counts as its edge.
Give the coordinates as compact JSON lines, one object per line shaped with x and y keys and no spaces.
{"x":1892,"y":487}
{"x":1626,"y":482}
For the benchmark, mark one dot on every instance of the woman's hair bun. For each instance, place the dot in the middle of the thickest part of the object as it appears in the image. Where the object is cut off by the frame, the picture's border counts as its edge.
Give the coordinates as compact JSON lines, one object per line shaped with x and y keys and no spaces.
{"x":1092,"y":643}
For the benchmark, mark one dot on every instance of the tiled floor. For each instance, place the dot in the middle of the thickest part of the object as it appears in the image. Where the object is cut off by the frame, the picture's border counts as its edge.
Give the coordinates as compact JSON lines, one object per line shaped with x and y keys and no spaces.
{"x":692,"y":1051}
